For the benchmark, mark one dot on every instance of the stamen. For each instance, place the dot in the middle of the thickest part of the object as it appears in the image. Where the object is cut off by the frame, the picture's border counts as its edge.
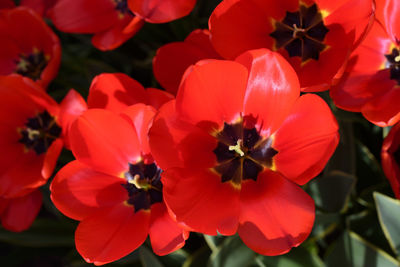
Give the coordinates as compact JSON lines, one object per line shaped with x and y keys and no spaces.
{"x":237,"y":148}
{"x":397,"y":59}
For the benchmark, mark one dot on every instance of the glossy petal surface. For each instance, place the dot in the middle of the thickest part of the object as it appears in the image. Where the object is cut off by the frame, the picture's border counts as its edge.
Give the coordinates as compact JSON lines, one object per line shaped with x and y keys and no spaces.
{"x":267,"y":227}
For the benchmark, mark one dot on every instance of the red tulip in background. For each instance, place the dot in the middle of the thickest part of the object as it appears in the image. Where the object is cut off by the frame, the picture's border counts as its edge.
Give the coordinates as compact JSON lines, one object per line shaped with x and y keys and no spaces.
{"x":236,"y":144}
{"x":371,"y":82}
{"x":316,"y":37}
{"x":391,"y":158}
{"x":114,"y":21}
{"x":112,"y":91}
{"x":173,"y":59}
{"x":31,"y":134}
{"x":114,"y":186}
{"x":17,"y":214}
{"x":28,"y":46}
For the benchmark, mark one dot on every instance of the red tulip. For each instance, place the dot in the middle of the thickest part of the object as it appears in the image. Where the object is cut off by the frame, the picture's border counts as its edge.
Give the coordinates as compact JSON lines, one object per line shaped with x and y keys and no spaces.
{"x":315,"y":36}
{"x":114,"y":187}
{"x":391,"y":158}
{"x":30,"y":133}
{"x":236,"y":144}
{"x":173,"y":59}
{"x":114,"y":21}
{"x":28,"y":46}
{"x":372,"y":77}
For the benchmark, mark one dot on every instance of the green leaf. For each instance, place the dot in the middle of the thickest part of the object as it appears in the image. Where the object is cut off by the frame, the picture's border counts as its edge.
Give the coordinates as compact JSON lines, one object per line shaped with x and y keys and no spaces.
{"x":42,"y":233}
{"x":389,"y":217}
{"x":297,"y":257}
{"x":353,"y":251}
{"x":232,"y":253}
{"x":331,"y":192}
{"x":147,"y":258}
{"x":324,"y":224}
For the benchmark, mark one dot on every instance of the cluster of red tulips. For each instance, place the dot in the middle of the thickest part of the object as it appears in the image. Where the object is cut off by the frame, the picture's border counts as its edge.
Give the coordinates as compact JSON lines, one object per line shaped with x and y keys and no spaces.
{"x":223,"y":148}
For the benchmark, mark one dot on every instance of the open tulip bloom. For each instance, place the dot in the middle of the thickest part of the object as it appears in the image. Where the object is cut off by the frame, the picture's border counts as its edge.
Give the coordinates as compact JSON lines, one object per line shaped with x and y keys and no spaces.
{"x":28,"y":46}
{"x":114,"y":187}
{"x":315,"y":36}
{"x":236,"y":144}
{"x":31,"y":134}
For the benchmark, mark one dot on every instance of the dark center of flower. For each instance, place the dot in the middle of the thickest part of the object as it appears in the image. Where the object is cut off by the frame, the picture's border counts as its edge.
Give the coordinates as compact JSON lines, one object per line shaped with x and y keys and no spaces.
{"x":242,"y":153}
{"x":301,"y":33}
{"x":143,"y":185}
{"x":122,"y":7}
{"x":393,"y":62}
{"x":396,"y":156}
{"x":40,"y":132}
{"x":31,"y":65}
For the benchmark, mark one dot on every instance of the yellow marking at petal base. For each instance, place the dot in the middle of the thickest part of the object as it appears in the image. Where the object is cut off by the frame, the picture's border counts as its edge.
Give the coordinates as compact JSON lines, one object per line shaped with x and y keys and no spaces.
{"x":235,"y":186}
{"x":325,"y":13}
{"x":237,"y":148}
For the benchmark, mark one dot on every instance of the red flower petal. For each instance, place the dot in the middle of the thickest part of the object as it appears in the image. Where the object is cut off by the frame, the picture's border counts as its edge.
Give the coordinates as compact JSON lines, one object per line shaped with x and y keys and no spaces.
{"x":275,"y":214}
{"x":13,"y":26}
{"x":173,"y":141}
{"x":212,"y":91}
{"x":365,"y":77}
{"x":306,"y":139}
{"x":71,"y":107}
{"x":272,"y":88}
{"x":166,"y":235}
{"x":240,"y":25}
{"x":391,"y":168}
{"x":7,"y":4}
{"x":199,"y":199}
{"x":40,"y":6}
{"x":383,"y":110}
{"x":120,"y":32}
{"x":387,"y":12}
{"x":352,"y":15}
{"x":51,"y":157}
{"x":21,"y":212}
{"x":173,"y":59}
{"x":111,"y":234}
{"x":141,"y":117}
{"x":160,"y":11}
{"x":104,"y":141}
{"x":84,"y":16}
{"x":78,"y":191}
{"x":157,"y":97}
{"x":115,"y":92}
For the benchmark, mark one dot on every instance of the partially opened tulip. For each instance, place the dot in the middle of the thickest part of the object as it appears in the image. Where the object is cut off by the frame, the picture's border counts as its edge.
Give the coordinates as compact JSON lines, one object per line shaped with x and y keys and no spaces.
{"x":236,"y":144}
